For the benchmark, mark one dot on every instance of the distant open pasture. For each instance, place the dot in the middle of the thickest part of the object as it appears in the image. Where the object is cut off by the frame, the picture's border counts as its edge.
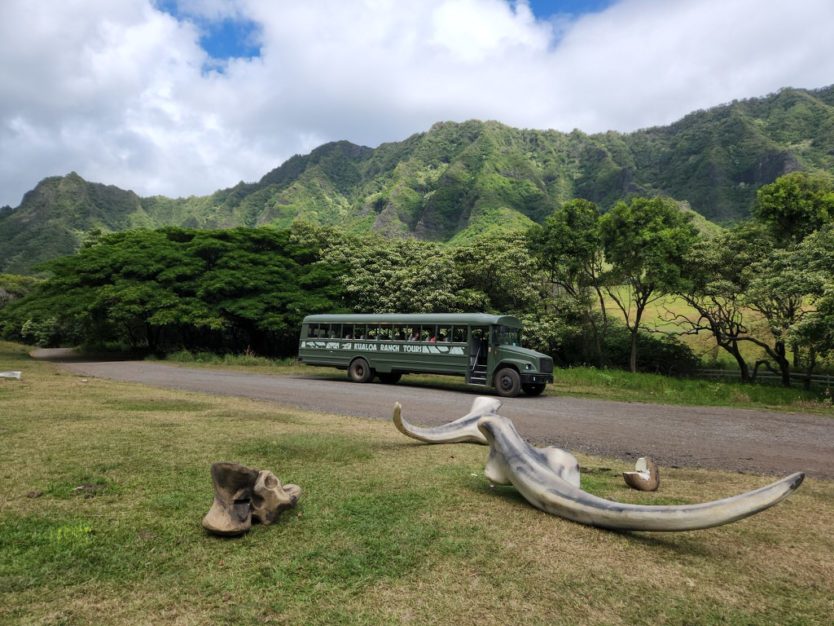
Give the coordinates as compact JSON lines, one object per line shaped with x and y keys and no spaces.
{"x":105,"y":483}
{"x":661,"y":315}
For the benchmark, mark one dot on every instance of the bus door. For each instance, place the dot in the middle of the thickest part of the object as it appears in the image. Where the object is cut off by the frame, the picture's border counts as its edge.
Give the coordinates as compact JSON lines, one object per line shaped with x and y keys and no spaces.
{"x":478,"y":355}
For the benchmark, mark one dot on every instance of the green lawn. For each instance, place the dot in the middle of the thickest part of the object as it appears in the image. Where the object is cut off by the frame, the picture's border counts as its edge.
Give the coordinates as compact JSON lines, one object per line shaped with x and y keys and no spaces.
{"x":105,"y":483}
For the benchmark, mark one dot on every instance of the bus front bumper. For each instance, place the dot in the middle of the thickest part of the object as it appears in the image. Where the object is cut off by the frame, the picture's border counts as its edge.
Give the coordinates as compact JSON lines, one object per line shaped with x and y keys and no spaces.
{"x":536,"y":379}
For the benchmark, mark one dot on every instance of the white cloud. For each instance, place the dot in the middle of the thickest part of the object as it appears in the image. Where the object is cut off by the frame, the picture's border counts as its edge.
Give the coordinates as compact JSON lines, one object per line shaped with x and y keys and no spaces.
{"x":118,"y":91}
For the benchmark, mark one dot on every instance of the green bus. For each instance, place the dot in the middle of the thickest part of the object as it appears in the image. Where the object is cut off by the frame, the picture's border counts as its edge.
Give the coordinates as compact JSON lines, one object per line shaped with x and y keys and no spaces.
{"x":485,"y":349}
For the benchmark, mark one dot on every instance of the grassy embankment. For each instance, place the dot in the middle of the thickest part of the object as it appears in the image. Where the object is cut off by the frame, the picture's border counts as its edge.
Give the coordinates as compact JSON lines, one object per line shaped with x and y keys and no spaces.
{"x":104,"y":486}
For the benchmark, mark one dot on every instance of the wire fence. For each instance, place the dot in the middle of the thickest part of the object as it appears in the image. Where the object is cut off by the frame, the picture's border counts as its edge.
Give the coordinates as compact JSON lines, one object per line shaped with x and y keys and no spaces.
{"x":822,"y":381}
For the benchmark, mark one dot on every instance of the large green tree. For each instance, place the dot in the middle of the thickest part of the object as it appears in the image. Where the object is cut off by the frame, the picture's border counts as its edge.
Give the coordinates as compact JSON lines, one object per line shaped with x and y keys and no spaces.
{"x":795,"y":205}
{"x":718,"y":280}
{"x":171,"y":288}
{"x":568,"y":249}
{"x":646,"y":241}
{"x":396,"y":276}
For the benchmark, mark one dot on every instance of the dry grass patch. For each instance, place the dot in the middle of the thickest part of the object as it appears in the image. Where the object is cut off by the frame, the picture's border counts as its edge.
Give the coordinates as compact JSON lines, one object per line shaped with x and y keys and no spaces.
{"x":388,"y":530}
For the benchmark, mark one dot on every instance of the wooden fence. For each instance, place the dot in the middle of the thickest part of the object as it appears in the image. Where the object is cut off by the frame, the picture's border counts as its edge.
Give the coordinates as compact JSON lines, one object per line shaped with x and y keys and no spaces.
{"x":824,"y":381}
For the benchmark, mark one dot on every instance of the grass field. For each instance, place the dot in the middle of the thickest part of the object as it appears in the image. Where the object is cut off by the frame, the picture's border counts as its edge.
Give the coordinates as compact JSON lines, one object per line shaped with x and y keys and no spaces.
{"x":104,"y":485}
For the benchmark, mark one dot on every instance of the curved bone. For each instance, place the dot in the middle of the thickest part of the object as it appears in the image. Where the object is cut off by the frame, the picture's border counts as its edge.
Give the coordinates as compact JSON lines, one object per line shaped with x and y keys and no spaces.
{"x":645,"y":477}
{"x":527,"y":468}
{"x":462,"y":430}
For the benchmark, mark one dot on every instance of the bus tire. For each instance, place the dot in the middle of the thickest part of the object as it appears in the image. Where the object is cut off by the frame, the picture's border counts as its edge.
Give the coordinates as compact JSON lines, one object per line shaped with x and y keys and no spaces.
{"x":359,"y":371}
{"x":507,"y":382}
{"x":390,"y":378}
{"x":533,"y":389}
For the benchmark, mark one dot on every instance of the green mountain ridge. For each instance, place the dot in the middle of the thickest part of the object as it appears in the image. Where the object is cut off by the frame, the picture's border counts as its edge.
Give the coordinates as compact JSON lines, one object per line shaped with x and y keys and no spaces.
{"x":459,"y":179}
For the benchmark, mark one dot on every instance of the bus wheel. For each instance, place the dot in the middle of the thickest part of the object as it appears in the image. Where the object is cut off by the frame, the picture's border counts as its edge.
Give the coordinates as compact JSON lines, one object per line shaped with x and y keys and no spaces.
{"x":533,"y":389}
{"x":390,"y":378}
{"x":507,"y":382}
{"x":360,"y":372}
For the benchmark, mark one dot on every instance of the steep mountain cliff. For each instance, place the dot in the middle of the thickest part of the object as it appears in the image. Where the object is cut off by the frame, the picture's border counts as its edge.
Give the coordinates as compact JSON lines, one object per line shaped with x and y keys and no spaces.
{"x":458,"y":179}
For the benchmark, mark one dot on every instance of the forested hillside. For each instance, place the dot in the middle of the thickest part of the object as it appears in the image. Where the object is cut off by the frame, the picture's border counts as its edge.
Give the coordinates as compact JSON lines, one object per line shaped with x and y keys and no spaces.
{"x":461,"y":179}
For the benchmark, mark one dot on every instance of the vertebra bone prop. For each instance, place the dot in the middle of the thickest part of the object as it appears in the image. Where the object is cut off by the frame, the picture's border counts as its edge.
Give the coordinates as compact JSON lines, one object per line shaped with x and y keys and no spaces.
{"x":241,"y":493}
{"x":545,"y":485}
{"x":463,"y":430}
{"x":645,"y":477}
{"x":231,"y":512}
{"x":270,"y":497}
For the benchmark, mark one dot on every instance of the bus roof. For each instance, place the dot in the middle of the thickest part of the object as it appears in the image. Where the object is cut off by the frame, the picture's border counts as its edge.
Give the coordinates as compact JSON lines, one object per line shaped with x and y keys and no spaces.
{"x":472,"y":319}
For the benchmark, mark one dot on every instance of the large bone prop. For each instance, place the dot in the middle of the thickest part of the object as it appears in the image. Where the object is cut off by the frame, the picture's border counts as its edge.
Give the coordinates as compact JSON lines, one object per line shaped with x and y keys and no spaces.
{"x":549,"y":486}
{"x":242,"y":493}
{"x":463,"y":430}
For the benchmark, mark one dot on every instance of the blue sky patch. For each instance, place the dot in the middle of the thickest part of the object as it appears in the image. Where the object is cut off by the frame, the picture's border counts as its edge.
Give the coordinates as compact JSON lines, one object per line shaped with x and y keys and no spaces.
{"x":222,"y":39}
{"x":544,"y":9}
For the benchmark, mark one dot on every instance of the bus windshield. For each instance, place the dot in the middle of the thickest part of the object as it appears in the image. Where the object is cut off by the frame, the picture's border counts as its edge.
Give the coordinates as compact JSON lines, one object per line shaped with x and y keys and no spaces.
{"x":506,"y":336}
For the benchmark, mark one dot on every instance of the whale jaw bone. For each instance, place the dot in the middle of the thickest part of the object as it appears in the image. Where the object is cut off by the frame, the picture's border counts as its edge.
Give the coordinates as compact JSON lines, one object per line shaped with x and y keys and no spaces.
{"x":515,"y":461}
{"x":462,"y":430}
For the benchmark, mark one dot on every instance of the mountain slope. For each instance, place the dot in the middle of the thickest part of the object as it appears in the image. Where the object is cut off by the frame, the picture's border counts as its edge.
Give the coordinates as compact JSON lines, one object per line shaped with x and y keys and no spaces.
{"x":462,"y":178}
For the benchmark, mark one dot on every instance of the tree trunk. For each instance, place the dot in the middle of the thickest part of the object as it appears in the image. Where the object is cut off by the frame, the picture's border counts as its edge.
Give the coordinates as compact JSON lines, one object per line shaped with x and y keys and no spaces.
{"x":743,"y":368}
{"x":809,"y":371}
{"x":632,"y":362}
{"x":783,"y":363}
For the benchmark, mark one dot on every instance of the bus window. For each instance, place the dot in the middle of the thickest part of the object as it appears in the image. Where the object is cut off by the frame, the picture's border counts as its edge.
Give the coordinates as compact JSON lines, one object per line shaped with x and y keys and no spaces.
{"x":506,"y":336}
{"x":444,"y":333}
{"x":335,"y":331}
{"x":400,"y":332}
{"x":359,"y":331}
{"x":428,"y":332}
{"x":459,"y":334}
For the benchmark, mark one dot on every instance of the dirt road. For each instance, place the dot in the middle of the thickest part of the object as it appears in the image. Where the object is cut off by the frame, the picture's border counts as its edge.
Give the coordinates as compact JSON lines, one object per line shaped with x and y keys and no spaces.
{"x":715,"y":437}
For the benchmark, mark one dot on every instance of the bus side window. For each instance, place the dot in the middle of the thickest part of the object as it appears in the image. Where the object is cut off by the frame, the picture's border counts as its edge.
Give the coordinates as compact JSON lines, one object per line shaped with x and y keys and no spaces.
{"x":444,"y":333}
{"x":459,"y":334}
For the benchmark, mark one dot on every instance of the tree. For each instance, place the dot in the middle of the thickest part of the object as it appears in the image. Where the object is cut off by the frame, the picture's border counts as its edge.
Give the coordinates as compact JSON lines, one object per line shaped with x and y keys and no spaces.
{"x":568,"y":248}
{"x":779,"y":289}
{"x":396,"y":276}
{"x":716,"y":269}
{"x":814,"y":330}
{"x":795,"y":205}
{"x":497,"y":270}
{"x":165,"y":289}
{"x":645,"y":242}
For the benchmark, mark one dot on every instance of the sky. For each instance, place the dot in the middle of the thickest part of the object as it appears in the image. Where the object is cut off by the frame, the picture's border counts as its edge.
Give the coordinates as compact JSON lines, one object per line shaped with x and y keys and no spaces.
{"x":184,"y":97}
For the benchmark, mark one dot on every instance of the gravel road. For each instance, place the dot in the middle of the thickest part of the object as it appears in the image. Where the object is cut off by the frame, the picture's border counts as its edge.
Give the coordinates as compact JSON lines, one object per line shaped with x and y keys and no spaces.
{"x":714,"y":437}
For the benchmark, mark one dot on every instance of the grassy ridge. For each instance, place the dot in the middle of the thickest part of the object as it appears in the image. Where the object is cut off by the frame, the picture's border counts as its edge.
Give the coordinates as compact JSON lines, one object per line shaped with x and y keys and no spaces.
{"x":105,"y":485}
